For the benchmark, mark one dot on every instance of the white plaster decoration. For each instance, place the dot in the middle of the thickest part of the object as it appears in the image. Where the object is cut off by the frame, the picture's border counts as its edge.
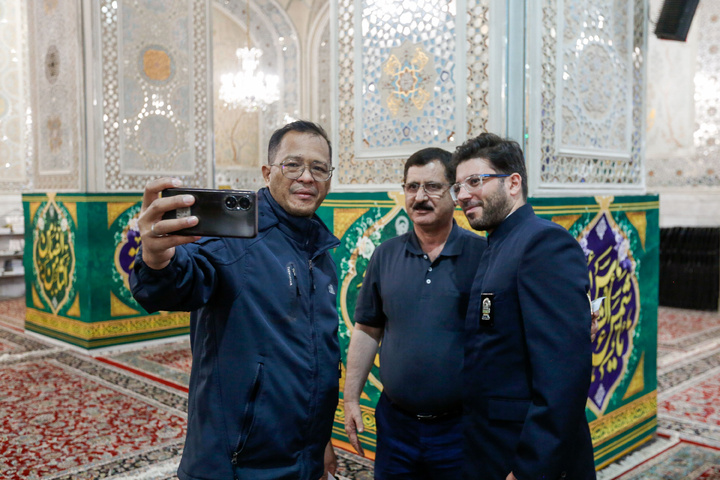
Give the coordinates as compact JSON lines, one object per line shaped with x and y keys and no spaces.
{"x":320,"y":77}
{"x":477,"y":58}
{"x":15,"y":140}
{"x":58,"y":95}
{"x":346,"y":172}
{"x":685,"y":130}
{"x":595,"y":81}
{"x":156,"y":124}
{"x":590,"y":112}
{"x":398,"y":85}
{"x":406,"y":69}
{"x":324,"y":106}
{"x":155,"y":92}
{"x":241,"y":138}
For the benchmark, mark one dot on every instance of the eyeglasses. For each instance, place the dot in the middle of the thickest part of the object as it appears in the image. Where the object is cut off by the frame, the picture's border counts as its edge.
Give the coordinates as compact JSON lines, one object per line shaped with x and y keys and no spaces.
{"x":431,"y":189}
{"x":473,"y":183}
{"x":292,"y":169}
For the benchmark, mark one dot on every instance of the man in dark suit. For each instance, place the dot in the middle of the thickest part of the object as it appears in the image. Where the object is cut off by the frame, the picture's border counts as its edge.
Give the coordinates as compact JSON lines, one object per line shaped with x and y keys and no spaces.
{"x":528,"y":349}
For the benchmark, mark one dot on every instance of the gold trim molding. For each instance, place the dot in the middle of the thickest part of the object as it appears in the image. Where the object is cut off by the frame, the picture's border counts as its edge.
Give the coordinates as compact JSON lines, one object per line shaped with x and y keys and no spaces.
{"x":106,"y":329}
{"x":616,"y":422}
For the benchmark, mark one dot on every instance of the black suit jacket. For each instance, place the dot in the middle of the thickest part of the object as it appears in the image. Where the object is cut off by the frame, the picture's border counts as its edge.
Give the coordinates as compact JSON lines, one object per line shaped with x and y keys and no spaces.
{"x":528,"y":360}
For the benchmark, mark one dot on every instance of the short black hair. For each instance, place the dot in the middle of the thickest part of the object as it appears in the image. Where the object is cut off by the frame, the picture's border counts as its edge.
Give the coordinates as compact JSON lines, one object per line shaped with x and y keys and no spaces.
{"x":427,"y":155}
{"x":302,"y":126}
{"x":504,"y":155}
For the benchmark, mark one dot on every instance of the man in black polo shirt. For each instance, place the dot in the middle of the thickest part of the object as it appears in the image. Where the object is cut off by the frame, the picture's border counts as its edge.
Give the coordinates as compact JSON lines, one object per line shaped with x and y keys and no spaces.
{"x":414,"y":297}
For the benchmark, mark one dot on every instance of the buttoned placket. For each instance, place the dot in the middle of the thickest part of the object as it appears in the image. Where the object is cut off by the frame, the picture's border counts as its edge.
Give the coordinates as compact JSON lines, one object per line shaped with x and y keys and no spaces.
{"x":428,"y":281}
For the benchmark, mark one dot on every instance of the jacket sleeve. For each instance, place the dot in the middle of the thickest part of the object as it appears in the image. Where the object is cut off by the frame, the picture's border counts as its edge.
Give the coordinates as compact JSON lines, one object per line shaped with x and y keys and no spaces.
{"x":552,"y":289}
{"x":185,"y":284}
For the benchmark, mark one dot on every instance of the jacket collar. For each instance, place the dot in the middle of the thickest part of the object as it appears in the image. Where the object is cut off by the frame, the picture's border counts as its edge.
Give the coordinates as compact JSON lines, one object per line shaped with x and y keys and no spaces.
{"x":453,"y":246}
{"x":507,"y":225}
{"x":311,"y":233}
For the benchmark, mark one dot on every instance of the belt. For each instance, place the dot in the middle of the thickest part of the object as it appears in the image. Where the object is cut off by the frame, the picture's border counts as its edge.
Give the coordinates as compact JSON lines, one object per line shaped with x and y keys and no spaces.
{"x":427,"y":417}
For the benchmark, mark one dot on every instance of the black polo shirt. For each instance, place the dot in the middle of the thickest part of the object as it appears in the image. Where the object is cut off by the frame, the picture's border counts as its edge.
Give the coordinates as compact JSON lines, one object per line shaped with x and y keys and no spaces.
{"x":421,"y":305}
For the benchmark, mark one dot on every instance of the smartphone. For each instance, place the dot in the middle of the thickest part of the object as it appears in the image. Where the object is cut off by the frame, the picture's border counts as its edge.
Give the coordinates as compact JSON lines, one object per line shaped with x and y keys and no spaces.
{"x":220,"y":213}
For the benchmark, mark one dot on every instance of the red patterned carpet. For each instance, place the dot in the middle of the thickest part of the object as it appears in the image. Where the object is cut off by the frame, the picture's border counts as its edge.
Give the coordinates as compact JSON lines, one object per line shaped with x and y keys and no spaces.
{"x":676,"y":326}
{"x":695,"y":403}
{"x":46,"y":398}
{"x":64,"y":415}
{"x":177,"y":359}
{"x":684,"y":334}
{"x":169,"y":363}
{"x":682,"y":460}
{"x":688,"y":444}
{"x":12,"y":312}
{"x":68,"y":416}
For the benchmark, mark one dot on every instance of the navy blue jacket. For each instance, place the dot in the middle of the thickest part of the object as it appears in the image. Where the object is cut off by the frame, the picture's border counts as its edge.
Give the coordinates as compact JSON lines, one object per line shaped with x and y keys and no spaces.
{"x":264,"y":381}
{"x":528,"y":364}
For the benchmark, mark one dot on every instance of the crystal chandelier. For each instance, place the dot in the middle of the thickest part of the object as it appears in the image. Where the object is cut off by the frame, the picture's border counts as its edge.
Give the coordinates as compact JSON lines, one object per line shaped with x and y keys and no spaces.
{"x":249,"y":89}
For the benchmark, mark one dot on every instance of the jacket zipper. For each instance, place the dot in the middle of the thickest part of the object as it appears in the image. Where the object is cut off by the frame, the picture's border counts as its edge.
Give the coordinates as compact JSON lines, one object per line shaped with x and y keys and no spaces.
{"x":312,"y":277}
{"x":249,"y":416}
{"x":295,"y":279}
{"x":314,"y":343}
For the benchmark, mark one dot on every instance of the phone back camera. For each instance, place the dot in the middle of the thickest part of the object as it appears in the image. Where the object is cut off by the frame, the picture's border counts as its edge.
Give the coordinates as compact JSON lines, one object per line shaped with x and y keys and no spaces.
{"x":238,"y":203}
{"x":244,"y":203}
{"x":231,"y":203}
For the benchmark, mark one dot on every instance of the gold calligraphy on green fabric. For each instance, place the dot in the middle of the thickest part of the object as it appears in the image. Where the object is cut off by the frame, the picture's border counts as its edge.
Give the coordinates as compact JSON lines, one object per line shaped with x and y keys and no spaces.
{"x":53,"y":255}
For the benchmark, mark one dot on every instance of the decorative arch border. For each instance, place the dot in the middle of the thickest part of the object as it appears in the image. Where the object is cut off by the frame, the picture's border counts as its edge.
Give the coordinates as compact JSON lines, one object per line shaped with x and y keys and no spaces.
{"x":314,"y":57}
{"x":275,"y":23}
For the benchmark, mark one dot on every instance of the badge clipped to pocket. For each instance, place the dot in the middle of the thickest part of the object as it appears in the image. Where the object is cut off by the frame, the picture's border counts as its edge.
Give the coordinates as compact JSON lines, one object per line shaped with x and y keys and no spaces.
{"x":487,"y":310}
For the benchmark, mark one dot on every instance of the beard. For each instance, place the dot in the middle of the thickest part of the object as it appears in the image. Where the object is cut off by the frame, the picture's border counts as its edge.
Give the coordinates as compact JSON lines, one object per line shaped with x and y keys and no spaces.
{"x":494,"y":210}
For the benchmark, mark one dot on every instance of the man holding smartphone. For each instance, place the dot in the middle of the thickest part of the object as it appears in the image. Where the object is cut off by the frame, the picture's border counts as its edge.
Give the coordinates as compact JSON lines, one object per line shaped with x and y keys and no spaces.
{"x":264,"y":382}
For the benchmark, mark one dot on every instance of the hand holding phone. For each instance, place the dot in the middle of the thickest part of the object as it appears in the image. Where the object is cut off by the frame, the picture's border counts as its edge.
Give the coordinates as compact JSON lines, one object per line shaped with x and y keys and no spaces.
{"x":220,"y":213}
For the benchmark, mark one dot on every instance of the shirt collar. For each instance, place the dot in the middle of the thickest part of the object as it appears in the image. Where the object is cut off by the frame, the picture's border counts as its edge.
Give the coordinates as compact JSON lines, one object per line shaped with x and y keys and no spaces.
{"x":510,"y":222}
{"x":452,"y":248}
{"x":310,"y":231}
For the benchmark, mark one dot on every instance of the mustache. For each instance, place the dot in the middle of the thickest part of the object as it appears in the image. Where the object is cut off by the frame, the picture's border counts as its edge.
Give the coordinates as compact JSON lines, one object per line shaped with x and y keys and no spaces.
{"x":423,"y":206}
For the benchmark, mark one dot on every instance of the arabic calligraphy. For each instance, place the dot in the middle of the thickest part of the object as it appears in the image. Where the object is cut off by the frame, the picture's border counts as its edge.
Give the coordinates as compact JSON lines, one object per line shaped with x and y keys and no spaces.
{"x":128,"y":248}
{"x":53,"y":255}
{"x":612,"y":275}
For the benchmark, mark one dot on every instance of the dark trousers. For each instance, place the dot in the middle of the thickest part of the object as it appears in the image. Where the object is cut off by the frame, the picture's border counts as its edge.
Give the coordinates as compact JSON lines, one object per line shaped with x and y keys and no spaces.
{"x":412,"y":449}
